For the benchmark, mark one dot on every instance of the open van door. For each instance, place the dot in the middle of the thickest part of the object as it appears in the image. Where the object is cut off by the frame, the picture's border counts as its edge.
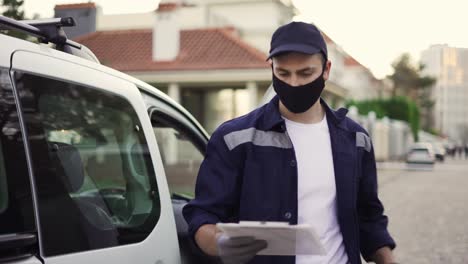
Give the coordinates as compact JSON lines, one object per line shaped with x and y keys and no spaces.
{"x":18,"y":233}
{"x":101,"y":191}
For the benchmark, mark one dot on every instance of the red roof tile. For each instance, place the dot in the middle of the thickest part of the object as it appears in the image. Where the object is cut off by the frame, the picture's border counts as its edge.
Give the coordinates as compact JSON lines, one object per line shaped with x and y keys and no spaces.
{"x":327,"y":39}
{"x":200,"y":49}
{"x":165,"y":7}
{"x":76,"y":6}
{"x":350,"y":61}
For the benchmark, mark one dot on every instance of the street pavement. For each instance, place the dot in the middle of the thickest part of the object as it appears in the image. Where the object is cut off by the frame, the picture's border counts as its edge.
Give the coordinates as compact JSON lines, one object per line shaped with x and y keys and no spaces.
{"x":428,"y":211}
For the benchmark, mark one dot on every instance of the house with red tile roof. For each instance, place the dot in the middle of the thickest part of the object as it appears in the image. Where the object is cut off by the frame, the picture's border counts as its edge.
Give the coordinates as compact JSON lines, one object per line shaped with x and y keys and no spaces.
{"x":362,"y":82}
{"x":348,"y":72}
{"x":214,"y":68}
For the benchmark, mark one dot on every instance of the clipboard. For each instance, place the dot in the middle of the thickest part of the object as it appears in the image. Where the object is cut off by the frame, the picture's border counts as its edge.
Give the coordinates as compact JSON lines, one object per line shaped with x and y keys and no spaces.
{"x":283,"y":239}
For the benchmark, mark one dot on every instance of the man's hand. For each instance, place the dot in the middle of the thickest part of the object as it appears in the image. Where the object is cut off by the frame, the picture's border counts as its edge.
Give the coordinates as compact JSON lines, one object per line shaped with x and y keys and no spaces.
{"x":238,"y":250}
{"x":384,"y":256}
{"x":231,"y":250}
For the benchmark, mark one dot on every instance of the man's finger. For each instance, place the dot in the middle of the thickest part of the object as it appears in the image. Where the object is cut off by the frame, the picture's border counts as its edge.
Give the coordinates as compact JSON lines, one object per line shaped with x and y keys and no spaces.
{"x":249,"y":250}
{"x":238,"y":241}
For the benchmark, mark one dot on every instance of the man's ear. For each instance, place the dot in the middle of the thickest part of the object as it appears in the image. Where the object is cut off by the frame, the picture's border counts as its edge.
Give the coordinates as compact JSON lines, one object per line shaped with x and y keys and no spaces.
{"x":270,"y":61}
{"x":326,"y":72}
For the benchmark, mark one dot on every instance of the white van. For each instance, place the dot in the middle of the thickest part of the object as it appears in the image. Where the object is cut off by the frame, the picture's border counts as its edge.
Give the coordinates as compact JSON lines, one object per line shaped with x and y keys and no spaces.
{"x":95,"y":166}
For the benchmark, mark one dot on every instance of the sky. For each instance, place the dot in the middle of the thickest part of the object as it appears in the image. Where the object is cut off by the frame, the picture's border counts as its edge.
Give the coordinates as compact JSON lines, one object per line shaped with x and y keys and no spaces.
{"x":375,"y":32}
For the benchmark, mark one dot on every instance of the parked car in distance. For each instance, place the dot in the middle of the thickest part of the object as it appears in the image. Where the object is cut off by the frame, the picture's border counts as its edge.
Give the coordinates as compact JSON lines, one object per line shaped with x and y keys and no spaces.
{"x":421,"y":153}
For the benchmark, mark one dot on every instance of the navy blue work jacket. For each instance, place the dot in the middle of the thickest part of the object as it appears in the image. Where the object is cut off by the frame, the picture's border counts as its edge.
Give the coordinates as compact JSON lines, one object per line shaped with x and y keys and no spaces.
{"x":250,"y":174}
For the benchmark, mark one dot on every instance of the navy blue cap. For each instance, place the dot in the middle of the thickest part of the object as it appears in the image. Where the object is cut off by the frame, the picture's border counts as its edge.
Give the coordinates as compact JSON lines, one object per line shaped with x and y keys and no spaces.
{"x":297,"y":37}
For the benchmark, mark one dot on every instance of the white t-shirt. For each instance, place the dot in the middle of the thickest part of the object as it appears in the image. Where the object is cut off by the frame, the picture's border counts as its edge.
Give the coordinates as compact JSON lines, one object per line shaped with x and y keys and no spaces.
{"x":317,"y":189}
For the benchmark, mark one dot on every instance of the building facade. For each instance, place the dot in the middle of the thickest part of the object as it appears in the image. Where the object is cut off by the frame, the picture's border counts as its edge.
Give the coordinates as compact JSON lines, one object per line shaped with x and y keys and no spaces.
{"x":450,"y":93}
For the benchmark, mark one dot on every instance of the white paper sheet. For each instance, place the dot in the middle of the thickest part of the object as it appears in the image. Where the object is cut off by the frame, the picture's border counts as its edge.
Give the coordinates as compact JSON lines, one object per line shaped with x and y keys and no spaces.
{"x":283,"y":239}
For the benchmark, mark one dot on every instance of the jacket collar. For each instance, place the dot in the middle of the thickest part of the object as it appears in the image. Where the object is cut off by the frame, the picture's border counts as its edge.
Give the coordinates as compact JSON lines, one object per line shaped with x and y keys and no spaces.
{"x":272,"y":115}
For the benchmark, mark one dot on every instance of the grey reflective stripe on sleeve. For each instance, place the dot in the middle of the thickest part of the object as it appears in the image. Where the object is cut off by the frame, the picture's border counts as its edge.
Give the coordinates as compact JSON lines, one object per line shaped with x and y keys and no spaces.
{"x":257,"y":137}
{"x":362,"y":140}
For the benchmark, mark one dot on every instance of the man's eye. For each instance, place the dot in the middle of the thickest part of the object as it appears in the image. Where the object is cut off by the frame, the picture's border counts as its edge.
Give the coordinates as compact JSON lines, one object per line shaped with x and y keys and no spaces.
{"x":283,"y":74}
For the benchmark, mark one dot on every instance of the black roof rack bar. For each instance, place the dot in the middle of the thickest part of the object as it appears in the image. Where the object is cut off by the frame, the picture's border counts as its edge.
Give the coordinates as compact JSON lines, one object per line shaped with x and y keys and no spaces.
{"x":59,"y":22}
{"x":53,"y":29}
{"x":8,"y":23}
{"x":50,"y":31}
{"x":47,"y":30}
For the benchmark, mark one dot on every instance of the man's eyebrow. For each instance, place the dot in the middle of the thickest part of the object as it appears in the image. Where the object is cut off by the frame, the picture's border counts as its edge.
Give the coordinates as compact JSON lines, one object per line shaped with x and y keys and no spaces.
{"x":307,"y":69}
{"x":281,"y":69}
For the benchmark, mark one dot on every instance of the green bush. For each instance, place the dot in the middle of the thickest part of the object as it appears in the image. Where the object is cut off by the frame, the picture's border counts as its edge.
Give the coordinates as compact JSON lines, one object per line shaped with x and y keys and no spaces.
{"x":399,"y":107}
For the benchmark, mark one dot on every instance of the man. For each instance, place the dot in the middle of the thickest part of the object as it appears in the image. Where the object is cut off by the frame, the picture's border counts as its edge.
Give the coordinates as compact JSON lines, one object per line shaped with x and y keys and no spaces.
{"x":295,"y":160}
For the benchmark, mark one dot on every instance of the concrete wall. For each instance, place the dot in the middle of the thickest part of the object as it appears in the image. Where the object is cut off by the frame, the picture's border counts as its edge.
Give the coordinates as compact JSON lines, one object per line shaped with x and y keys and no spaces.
{"x":337,"y":57}
{"x":360,"y":82}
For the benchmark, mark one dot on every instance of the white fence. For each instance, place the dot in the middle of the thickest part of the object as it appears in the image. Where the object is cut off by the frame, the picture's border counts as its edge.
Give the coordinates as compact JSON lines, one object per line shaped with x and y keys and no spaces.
{"x":391,"y":138}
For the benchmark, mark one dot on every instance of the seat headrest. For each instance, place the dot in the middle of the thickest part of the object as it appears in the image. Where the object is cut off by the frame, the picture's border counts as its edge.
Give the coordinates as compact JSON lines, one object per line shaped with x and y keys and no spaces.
{"x":68,"y":163}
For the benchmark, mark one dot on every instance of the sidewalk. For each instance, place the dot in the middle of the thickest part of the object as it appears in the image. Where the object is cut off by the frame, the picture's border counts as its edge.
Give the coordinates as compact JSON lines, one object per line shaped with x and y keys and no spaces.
{"x":390,"y":165}
{"x":400,"y":165}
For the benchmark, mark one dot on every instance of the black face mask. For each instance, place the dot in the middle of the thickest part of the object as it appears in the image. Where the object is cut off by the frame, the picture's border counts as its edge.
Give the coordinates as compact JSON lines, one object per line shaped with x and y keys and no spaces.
{"x":299,"y":99}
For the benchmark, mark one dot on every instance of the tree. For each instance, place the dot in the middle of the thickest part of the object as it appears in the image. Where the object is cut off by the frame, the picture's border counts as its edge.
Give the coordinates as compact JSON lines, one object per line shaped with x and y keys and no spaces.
{"x":13,"y":9}
{"x":408,"y":80}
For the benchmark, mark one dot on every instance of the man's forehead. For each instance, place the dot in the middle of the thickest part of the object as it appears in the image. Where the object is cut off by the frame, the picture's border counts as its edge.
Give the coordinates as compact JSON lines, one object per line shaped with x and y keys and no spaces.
{"x":296,"y":67}
{"x":297,"y":61}
{"x":296,"y":57}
